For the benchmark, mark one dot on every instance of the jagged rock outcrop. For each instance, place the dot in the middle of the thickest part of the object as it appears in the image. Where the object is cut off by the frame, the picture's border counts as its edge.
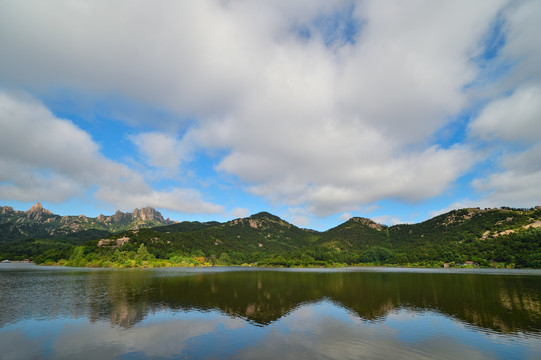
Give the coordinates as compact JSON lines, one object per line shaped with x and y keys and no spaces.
{"x":37,"y":212}
{"x":147,"y":214}
{"x":367,"y":222}
{"x":118,"y":216}
{"x":7,"y":210}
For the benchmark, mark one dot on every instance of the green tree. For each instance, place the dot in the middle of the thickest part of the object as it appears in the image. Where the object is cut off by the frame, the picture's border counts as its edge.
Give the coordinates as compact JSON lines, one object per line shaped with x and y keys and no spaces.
{"x":377,"y":254}
{"x":223,"y":259}
{"x":77,"y":256}
{"x":142,"y":254}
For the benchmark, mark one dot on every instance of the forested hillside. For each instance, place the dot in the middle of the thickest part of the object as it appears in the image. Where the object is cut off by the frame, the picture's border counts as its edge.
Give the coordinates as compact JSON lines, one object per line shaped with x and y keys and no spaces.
{"x":478,"y":237}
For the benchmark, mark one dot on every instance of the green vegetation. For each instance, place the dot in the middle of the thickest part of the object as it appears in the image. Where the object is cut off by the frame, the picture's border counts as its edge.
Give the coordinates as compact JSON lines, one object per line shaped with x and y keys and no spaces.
{"x":488,"y":238}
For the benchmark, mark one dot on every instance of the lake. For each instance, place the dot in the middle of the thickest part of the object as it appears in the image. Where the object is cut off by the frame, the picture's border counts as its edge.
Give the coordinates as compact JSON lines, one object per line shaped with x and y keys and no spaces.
{"x":253,"y":313}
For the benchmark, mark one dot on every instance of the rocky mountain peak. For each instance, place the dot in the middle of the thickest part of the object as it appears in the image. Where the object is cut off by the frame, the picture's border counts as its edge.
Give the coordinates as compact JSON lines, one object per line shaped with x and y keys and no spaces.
{"x":118,"y":216}
{"x":261,"y":220}
{"x":367,"y":222}
{"x":265,"y":216}
{"x":147,"y":214}
{"x":6,"y":210}
{"x":37,"y":212}
{"x":36,"y":207}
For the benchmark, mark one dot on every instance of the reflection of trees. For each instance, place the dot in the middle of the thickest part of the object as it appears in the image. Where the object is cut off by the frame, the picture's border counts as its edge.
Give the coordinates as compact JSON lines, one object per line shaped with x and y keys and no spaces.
{"x":120,"y":296}
{"x":500,"y":303}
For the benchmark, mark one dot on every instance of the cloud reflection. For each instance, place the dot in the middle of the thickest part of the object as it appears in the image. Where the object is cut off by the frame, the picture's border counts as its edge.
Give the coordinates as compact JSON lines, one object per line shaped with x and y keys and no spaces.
{"x":321,"y":330}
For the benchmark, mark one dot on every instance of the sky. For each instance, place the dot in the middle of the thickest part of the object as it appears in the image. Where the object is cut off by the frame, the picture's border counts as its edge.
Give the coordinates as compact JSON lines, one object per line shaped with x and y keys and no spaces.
{"x":315,"y":111}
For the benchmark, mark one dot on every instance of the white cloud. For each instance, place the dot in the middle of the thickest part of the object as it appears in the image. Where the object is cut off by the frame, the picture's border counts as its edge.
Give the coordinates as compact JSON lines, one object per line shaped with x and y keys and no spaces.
{"x":298,"y":216}
{"x":511,"y":122}
{"x":335,"y":130}
{"x":178,"y":199}
{"x":300,"y":220}
{"x":42,"y":157}
{"x":337,"y":186}
{"x":388,"y":220}
{"x":407,"y":73}
{"x":240,"y":212}
{"x":46,"y":158}
{"x":345,"y":216}
{"x":165,"y":55}
{"x":327,"y":128}
{"x":518,"y":184}
{"x":162,"y":150}
{"x":522,"y":45}
{"x":513,"y":118}
{"x":22,"y":184}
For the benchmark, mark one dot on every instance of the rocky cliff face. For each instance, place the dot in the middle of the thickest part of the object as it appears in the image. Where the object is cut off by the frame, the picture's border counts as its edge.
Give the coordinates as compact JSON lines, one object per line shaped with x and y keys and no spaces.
{"x":118,"y":217}
{"x":148,"y":214}
{"x":144,"y":215}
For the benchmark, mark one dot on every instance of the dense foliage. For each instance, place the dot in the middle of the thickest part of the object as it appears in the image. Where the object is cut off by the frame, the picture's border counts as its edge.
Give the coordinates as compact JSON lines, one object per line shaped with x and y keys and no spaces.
{"x":492,"y":237}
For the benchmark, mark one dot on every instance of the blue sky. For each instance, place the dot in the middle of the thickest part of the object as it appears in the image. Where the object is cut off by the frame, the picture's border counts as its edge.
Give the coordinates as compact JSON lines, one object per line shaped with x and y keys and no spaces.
{"x":315,"y":111}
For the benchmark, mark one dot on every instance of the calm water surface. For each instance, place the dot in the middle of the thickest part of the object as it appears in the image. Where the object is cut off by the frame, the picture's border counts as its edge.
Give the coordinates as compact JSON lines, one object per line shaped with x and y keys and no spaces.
{"x":243,"y":313}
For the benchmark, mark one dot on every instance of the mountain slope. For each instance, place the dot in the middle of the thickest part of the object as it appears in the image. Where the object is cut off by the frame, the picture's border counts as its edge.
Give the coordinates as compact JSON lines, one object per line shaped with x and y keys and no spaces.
{"x":355,"y":234}
{"x":261,"y":232}
{"x":466,"y":225}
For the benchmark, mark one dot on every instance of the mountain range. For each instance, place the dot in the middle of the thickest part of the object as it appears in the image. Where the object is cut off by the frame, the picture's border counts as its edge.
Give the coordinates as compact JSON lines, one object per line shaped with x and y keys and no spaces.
{"x":38,"y":222}
{"x":506,"y":235}
{"x":454,"y":231}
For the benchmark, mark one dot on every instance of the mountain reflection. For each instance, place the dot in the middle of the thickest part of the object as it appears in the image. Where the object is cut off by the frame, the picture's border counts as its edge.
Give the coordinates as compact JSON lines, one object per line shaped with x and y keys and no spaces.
{"x":501,"y":303}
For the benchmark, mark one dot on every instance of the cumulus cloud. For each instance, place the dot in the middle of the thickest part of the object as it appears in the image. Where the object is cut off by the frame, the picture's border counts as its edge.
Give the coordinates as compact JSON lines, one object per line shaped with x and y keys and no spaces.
{"x":522,"y":47}
{"x":331,"y":129}
{"x":517,"y":184}
{"x":345,"y":216}
{"x":513,"y":118}
{"x":239,"y":212}
{"x":328,"y":118}
{"x":166,"y":55}
{"x":162,"y":150}
{"x":406,"y":75}
{"x":336,"y":186}
{"x":389,"y":220}
{"x":178,"y":199}
{"x":43,"y":157}
{"x":511,"y":122}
